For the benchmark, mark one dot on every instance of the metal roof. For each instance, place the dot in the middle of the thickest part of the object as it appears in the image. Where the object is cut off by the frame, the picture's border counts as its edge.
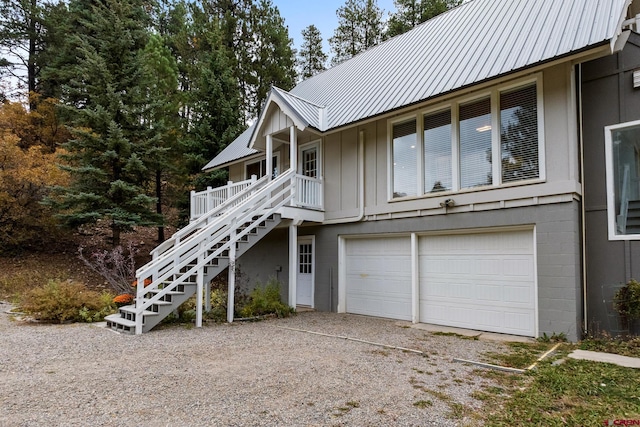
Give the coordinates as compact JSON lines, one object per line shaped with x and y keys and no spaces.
{"x":310,"y":113}
{"x":477,"y":41}
{"x":238,"y":149}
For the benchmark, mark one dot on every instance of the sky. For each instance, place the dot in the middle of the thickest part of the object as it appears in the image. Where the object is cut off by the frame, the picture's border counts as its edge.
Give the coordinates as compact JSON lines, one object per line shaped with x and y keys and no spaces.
{"x":299,"y":14}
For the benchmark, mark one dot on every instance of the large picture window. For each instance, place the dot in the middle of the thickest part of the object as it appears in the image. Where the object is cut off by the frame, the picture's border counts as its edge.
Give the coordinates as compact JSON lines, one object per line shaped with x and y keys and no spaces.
{"x":623,"y":180}
{"x":404,"y":159}
{"x":519,"y":134}
{"x":475,"y":144}
{"x":494,"y":139}
{"x":437,"y":152}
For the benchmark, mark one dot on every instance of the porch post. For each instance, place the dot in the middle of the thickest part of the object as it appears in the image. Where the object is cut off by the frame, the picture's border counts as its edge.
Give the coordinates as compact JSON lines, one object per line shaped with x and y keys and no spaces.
{"x":293,"y":263}
{"x":232,"y":274}
{"x":415,"y":280}
{"x":269,"y":170}
{"x":293,"y":148}
{"x":199,"y":290}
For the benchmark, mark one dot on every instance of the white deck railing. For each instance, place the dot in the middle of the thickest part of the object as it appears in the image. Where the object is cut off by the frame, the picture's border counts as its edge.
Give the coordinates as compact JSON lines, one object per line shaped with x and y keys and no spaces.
{"x":204,"y":201}
{"x":309,"y":195}
{"x":309,"y":192}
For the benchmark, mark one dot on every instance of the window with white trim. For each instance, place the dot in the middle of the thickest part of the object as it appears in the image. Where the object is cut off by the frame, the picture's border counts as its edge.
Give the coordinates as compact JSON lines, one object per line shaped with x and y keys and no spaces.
{"x":490,"y":140}
{"x":259,"y":167}
{"x":404,"y":159}
{"x":622,"y":154}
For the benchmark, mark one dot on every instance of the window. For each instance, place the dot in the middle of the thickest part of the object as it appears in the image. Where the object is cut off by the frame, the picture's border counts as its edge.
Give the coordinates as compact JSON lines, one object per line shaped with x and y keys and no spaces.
{"x":491,"y":140}
{"x":258,"y":168}
{"x":519,"y":134}
{"x":623,"y":179}
{"x":305,"y":258}
{"x":404,"y":159}
{"x":475,"y":144}
{"x":437,"y":152}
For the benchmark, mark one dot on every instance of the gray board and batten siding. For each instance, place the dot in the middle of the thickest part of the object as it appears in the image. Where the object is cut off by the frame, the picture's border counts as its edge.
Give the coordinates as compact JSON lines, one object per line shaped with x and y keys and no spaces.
{"x":557,"y":252}
{"x":608,"y":98}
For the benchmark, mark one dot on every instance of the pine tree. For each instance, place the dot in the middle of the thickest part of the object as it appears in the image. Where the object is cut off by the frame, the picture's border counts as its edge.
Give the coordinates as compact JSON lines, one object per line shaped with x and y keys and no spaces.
{"x":162,"y":118}
{"x":105,"y":93}
{"x":274,"y":63}
{"x":20,"y":41}
{"x":311,"y":58}
{"x":360,"y":27}
{"x":410,"y":13}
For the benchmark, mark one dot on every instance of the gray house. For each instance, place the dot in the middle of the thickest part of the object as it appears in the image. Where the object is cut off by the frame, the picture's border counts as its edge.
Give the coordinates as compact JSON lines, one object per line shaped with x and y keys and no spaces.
{"x":444,"y":176}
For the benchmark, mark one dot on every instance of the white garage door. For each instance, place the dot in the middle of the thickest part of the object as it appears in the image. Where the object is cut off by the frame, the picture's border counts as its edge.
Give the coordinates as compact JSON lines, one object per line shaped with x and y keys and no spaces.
{"x":479,"y":281}
{"x":378,"y":277}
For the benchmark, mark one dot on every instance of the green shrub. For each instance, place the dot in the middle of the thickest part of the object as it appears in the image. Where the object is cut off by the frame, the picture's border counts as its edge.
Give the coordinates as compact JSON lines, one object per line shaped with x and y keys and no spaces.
{"x":59,"y":302}
{"x":266,"y":300}
{"x":627,"y":300}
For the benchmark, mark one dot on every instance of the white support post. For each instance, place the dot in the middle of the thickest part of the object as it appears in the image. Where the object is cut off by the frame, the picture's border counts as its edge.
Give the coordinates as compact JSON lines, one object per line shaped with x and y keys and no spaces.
{"x":209,"y":200}
{"x":232,"y":273}
{"x":192,"y":205}
{"x":293,"y":148}
{"x":415,"y":280}
{"x":207,"y":295}
{"x":269,"y":170}
{"x":293,"y":263}
{"x":199,"y":291}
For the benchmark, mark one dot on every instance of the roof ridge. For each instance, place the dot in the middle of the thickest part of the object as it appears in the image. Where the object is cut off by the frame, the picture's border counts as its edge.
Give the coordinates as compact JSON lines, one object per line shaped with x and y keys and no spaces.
{"x":299,"y":97}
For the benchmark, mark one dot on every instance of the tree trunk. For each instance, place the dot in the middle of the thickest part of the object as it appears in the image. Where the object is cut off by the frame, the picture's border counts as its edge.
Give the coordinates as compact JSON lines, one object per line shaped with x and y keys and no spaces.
{"x":31,"y":61}
{"x":115,"y":235}
{"x":159,"y":204}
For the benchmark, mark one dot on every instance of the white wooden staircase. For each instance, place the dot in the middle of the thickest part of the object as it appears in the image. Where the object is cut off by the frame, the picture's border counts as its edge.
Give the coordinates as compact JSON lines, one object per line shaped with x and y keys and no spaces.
{"x":194,"y":255}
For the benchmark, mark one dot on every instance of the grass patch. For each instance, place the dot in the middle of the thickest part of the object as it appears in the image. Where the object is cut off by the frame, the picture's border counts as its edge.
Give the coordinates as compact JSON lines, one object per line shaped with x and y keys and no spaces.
{"x":628,"y":346}
{"x":520,"y":355}
{"x":576,"y":392}
{"x":422,"y":404}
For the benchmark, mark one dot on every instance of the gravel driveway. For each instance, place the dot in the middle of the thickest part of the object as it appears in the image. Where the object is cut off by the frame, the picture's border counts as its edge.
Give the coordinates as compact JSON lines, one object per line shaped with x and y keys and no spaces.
{"x":244,"y":374}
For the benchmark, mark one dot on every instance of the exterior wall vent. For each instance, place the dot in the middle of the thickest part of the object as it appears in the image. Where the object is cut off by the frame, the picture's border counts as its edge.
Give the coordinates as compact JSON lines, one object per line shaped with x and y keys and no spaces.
{"x":636,"y":79}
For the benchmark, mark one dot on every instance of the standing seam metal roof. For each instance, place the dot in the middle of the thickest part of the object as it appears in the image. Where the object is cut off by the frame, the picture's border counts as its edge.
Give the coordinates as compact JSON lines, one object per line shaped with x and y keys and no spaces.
{"x":477,"y":41}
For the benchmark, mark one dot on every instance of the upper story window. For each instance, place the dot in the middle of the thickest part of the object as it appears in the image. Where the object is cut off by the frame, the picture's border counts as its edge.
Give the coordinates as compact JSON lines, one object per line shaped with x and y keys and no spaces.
{"x":491,"y":140}
{"x":622,"y":155}
{"x":404,"y":159}
{"x":437,"y":152}
{"x":519,"y":134}
{"x":475,"y":144}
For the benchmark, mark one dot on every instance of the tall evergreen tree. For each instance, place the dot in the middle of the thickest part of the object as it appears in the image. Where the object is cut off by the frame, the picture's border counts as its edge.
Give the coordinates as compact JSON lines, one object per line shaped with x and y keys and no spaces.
{"x":162,"y":119}
{"x":106,"y":95}
{"x":20,"y":41}
{"x":262,"y":51}
{"x":311,"y":58}
{"x":275,"y":58}
{"x":410,"y":13}
{"x":360,"y":27}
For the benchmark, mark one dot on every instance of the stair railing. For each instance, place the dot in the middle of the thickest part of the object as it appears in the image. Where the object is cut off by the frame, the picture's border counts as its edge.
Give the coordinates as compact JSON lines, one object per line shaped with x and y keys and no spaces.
{"x":210,"y":217}
{"x":193,"y":253}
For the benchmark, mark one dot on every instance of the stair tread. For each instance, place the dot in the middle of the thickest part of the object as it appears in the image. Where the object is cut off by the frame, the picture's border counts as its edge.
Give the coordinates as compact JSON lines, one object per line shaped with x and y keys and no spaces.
{"x":132,"y":309}
{"x":115,"y":318}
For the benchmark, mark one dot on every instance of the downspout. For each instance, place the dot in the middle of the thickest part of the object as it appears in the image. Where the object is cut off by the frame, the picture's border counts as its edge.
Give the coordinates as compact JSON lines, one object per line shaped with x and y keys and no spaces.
{"x":360,"y":186}
{"x":583,"y":209}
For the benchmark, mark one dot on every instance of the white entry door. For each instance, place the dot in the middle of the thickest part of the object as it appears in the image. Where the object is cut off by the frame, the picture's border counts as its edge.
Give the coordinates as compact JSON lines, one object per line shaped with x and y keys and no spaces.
{"x":306,"y":269}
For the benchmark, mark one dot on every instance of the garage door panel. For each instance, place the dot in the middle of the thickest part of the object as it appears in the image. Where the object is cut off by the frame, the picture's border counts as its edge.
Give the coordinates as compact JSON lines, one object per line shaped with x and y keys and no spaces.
{"x":472,"y":317}
{"x":378,"y":276}
{"x":479,"y":281}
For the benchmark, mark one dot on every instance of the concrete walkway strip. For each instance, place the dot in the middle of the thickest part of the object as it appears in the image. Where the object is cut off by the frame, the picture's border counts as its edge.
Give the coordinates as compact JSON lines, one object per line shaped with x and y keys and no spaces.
{"x":616,"y":359}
